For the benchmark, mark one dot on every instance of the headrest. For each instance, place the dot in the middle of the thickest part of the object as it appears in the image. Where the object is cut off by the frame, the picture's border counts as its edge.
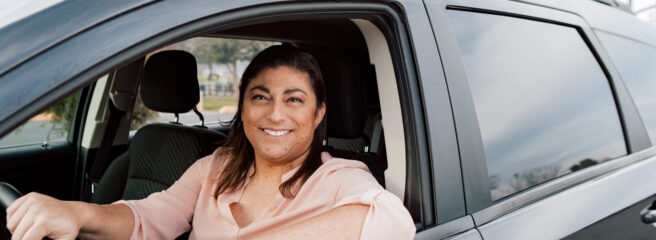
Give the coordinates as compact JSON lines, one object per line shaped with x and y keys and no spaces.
{"x":346,"y":77}
{"x":169,"y":82}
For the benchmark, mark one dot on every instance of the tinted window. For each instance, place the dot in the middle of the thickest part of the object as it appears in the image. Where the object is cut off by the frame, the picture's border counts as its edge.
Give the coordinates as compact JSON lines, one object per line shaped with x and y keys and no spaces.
{"x":636,"y":63}
{"x":543,"y":103}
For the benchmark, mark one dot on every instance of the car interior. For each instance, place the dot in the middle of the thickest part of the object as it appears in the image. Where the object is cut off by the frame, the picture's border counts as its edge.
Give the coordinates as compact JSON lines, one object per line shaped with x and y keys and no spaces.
{"x":363,"y":111}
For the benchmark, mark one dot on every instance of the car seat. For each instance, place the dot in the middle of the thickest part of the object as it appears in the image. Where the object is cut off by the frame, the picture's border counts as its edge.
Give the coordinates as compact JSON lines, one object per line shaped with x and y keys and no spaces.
{"x":159,"y":153}
{"x":354,"y":128}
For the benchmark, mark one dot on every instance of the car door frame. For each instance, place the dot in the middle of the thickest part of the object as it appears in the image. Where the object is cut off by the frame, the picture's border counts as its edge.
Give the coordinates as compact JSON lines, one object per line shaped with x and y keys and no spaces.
{"x":447,"y":189}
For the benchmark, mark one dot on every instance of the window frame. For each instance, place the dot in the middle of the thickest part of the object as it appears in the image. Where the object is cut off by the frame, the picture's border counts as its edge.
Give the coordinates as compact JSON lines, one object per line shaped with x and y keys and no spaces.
{"x":614,"y":64}
{"x":474,"y":167}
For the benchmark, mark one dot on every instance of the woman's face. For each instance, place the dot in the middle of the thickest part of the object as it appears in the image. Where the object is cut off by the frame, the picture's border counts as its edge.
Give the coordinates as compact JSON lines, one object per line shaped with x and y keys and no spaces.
{"x":280,"y":114}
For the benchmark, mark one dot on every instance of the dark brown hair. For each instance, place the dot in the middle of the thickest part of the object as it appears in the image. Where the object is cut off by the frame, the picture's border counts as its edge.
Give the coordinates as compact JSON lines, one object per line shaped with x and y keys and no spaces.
{"x":238,"y":151}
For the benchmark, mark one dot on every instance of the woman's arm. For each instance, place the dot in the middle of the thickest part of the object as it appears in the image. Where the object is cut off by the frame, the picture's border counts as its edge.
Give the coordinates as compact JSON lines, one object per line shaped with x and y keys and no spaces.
{"x":344,"y":222}
{"x":35,"y":216}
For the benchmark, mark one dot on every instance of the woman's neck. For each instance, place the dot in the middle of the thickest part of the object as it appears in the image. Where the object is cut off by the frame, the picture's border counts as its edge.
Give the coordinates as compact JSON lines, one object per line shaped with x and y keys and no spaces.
{"x":267,"y":169}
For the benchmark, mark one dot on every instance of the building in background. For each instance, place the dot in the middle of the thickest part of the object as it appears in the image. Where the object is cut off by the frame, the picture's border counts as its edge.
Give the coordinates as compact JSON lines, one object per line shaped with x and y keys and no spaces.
{"x":643,"y":9}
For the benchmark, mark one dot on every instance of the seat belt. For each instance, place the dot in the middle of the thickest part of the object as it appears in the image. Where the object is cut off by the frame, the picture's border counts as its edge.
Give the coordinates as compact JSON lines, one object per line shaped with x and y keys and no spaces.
{"x":100,"y":162}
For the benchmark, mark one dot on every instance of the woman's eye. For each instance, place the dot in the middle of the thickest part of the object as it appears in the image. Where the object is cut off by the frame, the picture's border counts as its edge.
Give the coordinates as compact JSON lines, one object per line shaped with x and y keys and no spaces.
{"x":259,"y":97}
{"x":295,"y":99}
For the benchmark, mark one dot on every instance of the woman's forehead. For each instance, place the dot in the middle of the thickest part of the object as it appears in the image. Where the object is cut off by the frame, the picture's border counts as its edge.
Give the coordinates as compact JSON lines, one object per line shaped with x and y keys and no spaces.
{"x":284,"y":79}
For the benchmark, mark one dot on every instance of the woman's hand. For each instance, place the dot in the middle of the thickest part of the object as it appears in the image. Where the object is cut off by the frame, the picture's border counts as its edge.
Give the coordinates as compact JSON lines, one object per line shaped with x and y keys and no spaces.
{"x":35,"y":216}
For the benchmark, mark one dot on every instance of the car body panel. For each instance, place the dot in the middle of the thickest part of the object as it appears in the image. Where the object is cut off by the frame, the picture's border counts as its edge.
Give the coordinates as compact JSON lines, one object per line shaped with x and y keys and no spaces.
{"x":605,"y":18}
{"x":621,"y":225}
{"x":578,"y":207}
{"x":454,"y":228}
{"x":47,"y":28}
{"x":441,"y":129}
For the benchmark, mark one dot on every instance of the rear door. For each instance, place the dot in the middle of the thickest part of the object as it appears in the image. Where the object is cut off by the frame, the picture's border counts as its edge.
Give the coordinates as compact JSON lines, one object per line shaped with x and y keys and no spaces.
{"x":549,"y":139}
{"x":634,"y":58}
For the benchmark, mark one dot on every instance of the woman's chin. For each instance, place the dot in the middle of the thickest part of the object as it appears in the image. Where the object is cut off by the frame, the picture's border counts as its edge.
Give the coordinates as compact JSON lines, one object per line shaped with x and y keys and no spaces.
{"x":279,"y":156}
{"x":276,"y":156}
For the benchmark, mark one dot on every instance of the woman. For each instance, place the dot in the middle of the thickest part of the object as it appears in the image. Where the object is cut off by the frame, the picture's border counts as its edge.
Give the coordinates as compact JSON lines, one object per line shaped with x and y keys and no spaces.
{"x":270,"y":180}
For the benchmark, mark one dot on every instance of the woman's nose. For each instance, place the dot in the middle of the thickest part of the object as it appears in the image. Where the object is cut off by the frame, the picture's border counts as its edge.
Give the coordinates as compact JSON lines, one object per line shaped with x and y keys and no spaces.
{"x":276,"y":113}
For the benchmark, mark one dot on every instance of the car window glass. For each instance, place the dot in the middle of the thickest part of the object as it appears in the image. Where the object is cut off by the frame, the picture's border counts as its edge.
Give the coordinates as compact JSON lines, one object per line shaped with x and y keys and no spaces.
{"x":544,"y":105}
{"x":220,"y":63}
{"x":636,"y":63}
{"x":51,"y":125}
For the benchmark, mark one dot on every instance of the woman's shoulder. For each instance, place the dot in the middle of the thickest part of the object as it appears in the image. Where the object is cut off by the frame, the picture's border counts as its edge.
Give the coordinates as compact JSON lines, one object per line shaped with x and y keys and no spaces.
{"x":211,"y":164}
{"x":345,"y":171}
{"x":332,"y":164}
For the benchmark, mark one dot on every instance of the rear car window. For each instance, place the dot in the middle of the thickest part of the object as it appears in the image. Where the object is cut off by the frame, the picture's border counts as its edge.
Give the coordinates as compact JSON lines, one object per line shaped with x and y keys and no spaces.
{"x":543,"y":103}
{"x":220,"y":64}
{"x":636,"y":63}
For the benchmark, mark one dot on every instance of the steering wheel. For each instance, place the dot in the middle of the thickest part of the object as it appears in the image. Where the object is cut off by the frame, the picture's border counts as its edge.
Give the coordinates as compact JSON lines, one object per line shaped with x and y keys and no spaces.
{"x":8,"y":194}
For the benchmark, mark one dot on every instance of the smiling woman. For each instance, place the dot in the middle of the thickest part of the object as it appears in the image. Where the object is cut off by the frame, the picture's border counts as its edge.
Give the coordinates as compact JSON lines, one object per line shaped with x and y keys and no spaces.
{"x":275,"y":101}
{"x":270,"y":179}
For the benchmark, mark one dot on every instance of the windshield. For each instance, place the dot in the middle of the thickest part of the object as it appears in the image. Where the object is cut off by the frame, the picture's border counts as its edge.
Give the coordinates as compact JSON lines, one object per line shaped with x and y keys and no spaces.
{"x":14,"y":10}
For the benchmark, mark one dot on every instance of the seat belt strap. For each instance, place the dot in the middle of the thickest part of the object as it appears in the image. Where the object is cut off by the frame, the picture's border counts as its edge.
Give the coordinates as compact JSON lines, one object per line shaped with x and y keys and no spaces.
{"x":100,"y":162}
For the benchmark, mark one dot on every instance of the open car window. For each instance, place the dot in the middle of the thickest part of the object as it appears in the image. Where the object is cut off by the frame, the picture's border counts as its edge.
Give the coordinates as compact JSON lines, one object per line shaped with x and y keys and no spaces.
{"x":220,"y":63}
{"x":51,"y":125}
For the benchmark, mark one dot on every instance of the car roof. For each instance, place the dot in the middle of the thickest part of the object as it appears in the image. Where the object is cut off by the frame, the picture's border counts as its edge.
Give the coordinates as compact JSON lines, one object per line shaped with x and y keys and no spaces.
{"x":47,"y":27}
{"x":605,"y":18}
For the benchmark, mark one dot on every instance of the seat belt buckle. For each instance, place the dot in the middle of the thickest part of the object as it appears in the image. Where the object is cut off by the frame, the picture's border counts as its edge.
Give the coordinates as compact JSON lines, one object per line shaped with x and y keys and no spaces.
{"x":92,"y":182}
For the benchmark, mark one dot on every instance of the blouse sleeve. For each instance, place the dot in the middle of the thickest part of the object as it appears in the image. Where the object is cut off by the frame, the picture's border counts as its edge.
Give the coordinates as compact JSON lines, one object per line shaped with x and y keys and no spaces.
{"x":167,"y":214}
{"x":387,"y":217}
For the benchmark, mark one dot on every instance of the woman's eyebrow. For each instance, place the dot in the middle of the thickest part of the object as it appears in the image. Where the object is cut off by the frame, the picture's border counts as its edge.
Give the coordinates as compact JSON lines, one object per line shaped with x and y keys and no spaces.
{"x":261,"y":88}
{"x":288,"y":91}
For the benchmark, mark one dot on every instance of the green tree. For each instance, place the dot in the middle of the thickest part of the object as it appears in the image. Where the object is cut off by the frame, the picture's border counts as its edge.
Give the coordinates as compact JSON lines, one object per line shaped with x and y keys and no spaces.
{"x":229,"y":51}
{"x":141,"y":114}
{"x":62,"y":111}
{"x":223,"y":51}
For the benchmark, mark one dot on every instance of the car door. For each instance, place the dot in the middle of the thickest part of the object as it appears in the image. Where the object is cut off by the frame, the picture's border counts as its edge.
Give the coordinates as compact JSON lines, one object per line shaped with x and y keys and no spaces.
{"x":547,"y":148}
{"x":104,"y":46}
{"x":40,"y":154}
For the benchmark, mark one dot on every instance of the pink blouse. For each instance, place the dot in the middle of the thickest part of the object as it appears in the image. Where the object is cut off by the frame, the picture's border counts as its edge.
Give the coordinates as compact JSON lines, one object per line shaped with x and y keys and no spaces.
{"x":190,"y":204}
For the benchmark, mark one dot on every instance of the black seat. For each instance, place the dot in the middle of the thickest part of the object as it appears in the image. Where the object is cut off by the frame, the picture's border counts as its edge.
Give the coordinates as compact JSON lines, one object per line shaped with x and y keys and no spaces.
{"x":354,"y":128}
{"x":160,"y":153}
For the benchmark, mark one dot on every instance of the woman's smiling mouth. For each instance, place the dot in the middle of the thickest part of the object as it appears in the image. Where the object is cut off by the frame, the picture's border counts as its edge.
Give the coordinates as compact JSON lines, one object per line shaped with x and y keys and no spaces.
{"x":276,"y":133}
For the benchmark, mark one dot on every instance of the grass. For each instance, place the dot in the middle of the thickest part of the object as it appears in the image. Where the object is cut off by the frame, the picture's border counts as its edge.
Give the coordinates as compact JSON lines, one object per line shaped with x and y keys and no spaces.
{"x":202,"y":79}
{"x":216,"y":103}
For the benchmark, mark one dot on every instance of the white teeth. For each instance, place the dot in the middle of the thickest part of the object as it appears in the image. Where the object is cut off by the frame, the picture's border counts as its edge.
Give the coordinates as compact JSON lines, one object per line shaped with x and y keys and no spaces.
{"x":276,"y":133}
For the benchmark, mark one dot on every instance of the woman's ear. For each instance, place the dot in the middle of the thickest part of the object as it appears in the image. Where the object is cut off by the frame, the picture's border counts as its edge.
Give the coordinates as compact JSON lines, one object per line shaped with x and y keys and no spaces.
{"x":320,"y":113}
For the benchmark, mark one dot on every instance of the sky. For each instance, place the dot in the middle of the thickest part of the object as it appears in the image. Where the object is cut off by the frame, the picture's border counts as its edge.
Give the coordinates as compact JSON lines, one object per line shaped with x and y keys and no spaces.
{"x":13,"y":10}
{"x":645,"y":9}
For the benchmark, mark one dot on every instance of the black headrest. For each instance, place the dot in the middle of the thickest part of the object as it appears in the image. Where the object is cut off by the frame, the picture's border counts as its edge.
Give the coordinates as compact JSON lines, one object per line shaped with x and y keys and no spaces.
{"x":169,"y":82}
{"x":346,"y":77}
